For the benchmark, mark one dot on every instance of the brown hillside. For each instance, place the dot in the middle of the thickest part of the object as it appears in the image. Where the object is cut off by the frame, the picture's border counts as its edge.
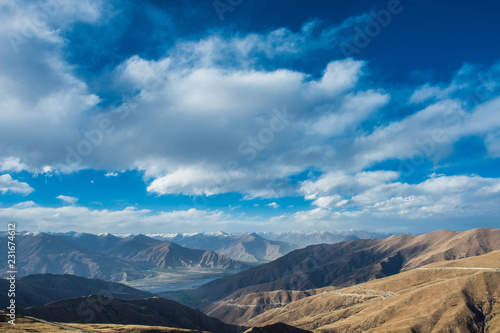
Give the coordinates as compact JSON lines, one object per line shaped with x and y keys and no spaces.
{"x":456,"y":296}
{"x":351,"y":262}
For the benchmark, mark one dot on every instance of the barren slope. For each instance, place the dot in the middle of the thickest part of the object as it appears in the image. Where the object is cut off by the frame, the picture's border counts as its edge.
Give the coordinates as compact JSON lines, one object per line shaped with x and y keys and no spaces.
{"x":452,"y":296}
{"x":352,"y":262}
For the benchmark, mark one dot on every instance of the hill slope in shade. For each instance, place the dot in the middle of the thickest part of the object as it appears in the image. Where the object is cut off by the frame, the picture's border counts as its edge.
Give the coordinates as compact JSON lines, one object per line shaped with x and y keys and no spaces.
{"x":276,"y":328}
{"x":453,"y":296}
{"x":151,"y":311}
{"x":41,"y":289}
{"x":30,"y":324}
{"x":352,"y":262}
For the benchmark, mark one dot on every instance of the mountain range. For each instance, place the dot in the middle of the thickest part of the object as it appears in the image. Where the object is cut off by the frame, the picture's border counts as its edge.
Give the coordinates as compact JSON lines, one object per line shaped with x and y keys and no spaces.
{"x":106,"y":257}
{"x":442,"y":281}
{"x":302,"y":239}
{"x":243,"y":247}
{"x":261,"y":247}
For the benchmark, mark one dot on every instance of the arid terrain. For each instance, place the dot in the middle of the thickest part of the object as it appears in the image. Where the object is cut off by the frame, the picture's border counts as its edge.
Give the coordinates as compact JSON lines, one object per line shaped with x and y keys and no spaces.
{"x":453,"y":296}
{"x":441,"y":281}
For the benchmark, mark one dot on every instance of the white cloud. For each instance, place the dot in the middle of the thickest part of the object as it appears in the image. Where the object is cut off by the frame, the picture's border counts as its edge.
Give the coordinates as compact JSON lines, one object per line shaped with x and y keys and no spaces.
{"x":354,"y":110}
{"x":25,"y":204}
{"x":370,"y":195}
{"x":111,"y":174}
{"x":7,"y":184}
{"x":12,"y":164}
{"x":200,"y":120}
{"x":273,"y":204}
{"x":67,"y":199}
{"x":37,"y":84}
{"x":330,"y":201}
{"x":68,"y":218}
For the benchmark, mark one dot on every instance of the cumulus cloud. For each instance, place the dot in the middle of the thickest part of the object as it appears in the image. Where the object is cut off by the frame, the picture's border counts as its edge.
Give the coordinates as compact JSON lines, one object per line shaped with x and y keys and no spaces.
{"x":273,"y":204}
{"x":224,"y":114}
{"x":377,"y":194}
{"x":7,"y":184}
{"x":67,"y":199}
{"x":38,"y":85}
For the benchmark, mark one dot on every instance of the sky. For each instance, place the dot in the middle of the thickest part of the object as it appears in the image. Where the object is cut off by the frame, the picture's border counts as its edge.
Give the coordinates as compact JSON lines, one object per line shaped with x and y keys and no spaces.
{"x":241,"y":116}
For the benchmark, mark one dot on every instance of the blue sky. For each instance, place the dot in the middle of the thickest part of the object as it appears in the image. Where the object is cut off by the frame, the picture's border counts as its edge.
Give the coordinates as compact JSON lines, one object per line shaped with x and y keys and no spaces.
{"x":185,"y":116}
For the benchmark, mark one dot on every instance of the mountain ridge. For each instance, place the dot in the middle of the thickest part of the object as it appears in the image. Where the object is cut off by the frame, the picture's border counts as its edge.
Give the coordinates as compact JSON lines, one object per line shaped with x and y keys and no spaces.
{"x":352,"y":262}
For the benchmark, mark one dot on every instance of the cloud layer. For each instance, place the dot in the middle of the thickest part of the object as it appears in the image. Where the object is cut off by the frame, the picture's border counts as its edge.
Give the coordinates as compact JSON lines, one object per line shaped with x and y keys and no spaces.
{"x":228,"y":113}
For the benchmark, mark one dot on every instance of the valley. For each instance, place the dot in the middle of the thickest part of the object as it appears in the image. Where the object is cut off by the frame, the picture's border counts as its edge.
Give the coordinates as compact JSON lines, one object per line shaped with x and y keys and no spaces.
{"x":167,"y":280}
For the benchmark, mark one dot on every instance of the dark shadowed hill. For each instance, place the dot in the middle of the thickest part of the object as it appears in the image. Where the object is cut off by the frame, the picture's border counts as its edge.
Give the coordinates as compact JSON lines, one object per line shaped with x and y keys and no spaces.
{"x":352,"y":262}
{"x":34,"y":325}
{"x":276,"y":328}
{"x":151,"y":311}
{"x":40,"y":289}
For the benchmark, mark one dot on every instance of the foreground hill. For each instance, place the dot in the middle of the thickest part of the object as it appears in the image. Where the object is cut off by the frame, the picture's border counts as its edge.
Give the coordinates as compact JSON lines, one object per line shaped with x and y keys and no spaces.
{"x":451,"y":296}
{"x":276,"y":328}
{"x":352,"y":262}
{"x":41,"y":289}
{"x":151,"y":311}
{"x":30,"y":324}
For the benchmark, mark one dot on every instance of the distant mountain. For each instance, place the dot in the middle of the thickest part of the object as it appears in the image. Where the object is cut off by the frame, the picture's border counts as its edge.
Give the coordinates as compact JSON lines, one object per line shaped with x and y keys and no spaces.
{"x":151,"y":311}
{"x":157,"y":252}
{"x":45,"y":253}
{"x":452,"y":296}
{"x":105,"y":256}
{"x":248,"y":247}
{"x":166,"y":254}
{"x":41,"y":289}
{"x":304,"y":238}
{"x":352,"y":262}
{"x":244,"y":247}
{"x":101,"y":242}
